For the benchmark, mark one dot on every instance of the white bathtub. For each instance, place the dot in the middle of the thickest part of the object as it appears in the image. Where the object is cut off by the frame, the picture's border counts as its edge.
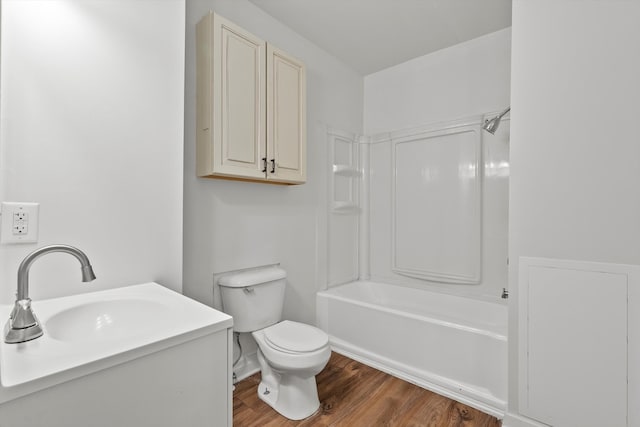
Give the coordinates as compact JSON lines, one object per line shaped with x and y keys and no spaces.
{"x":451,"y":345}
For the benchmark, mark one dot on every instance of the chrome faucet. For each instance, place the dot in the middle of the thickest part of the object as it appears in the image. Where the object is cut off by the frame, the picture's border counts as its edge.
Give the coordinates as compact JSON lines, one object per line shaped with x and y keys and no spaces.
{"x":23,"y":324}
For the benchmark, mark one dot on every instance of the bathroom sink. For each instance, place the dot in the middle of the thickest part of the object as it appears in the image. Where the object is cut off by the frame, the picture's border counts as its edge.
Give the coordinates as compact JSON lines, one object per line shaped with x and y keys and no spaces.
{"x":90,"y":332}
{"x":104,"y":320}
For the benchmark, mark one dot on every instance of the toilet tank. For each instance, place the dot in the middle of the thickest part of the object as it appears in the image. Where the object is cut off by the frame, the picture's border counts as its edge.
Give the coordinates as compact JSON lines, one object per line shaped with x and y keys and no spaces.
{"x":254,"y":298}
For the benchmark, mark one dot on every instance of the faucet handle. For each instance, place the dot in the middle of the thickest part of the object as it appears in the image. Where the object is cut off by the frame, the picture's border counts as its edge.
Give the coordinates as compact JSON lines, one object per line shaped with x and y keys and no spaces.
{"x":22,"y":316}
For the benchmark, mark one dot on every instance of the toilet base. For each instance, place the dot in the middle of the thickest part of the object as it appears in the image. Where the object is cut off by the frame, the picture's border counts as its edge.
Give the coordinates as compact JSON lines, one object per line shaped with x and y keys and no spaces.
{"x":292,"y":396}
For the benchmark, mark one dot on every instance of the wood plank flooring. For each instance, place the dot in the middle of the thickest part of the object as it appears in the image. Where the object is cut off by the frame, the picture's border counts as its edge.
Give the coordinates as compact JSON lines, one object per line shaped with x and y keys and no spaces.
{"x":353,"y":394}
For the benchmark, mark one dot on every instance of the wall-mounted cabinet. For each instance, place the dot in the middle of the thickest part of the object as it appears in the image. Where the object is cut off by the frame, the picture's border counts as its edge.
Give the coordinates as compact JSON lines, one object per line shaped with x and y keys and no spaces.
{"x":251,"y":115}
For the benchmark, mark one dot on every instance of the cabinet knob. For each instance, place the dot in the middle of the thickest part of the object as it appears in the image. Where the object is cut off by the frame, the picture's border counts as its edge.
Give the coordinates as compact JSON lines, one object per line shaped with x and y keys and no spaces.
{"x":273,"y":165}
{"x":264,"y":164}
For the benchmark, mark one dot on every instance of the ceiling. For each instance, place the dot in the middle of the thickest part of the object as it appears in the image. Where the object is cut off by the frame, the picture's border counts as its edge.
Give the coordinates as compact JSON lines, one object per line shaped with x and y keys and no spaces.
{"x":371,"y":35}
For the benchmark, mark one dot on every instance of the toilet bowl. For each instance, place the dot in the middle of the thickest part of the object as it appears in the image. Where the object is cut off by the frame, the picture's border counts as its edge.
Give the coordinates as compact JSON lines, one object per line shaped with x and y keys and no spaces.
{"x":291,"y":354}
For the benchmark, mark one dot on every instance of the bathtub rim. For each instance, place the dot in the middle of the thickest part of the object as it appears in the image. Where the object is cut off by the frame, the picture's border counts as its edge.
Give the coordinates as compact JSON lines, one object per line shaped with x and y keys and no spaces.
{"x":501,"y":335}
{"x":439,"y":322}
{"x":440,"y":288}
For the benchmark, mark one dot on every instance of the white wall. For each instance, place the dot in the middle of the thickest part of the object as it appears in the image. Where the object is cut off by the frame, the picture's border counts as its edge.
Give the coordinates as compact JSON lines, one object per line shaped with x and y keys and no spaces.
{"x":468,"y":79}
{"x":574,"y":139}
{"x":463,"y":80}
{"x":92,"y":129}
{"x":232,"y":225}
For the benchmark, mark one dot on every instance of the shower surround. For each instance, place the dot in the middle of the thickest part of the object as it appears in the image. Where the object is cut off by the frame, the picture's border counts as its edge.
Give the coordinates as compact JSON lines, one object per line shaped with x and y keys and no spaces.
{"x":426,"y":304}
{"x":419,"y":221}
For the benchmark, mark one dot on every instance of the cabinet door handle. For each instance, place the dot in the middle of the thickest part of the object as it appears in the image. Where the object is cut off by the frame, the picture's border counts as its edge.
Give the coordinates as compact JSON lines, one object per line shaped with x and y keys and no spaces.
{"x":273,"y":165}
{"x":264,"y":164}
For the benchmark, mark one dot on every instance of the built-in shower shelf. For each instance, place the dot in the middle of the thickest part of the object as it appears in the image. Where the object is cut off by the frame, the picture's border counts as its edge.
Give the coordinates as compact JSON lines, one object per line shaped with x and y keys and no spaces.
{"x":346,"y":170}
{"x":345,"y":208}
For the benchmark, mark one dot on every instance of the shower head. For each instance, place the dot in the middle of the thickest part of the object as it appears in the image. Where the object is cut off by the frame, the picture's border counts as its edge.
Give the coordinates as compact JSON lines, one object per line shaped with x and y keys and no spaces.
{"x":492,"y":125}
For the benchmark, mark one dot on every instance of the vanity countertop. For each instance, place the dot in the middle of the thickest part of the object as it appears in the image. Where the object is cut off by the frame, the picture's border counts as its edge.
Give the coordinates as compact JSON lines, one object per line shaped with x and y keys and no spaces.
{"x":89,"y":332}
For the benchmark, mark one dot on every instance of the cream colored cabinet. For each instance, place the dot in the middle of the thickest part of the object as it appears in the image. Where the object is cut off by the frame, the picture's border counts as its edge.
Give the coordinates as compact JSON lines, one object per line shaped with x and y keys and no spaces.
{"x":251,"y":115}
{"x":286,"y":117}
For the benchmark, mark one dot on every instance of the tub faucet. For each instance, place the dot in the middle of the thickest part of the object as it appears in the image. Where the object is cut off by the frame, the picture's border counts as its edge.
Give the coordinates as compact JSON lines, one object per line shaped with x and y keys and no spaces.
{"x":23,"y":324}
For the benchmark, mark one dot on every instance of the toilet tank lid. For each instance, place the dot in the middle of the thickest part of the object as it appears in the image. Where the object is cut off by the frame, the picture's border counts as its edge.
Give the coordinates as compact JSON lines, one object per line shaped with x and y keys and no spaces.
{"x":252,"y":277}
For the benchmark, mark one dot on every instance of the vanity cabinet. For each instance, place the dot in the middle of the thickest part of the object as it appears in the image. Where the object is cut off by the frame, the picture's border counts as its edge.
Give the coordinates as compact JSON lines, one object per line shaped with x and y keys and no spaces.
{"x":250,"y":100}
{"x":184,"y":385}
{"x":145,"y":356}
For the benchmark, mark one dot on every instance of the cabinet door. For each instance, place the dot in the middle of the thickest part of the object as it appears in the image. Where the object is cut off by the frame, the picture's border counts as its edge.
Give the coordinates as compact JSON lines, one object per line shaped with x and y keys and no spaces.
{"x":286,"y":118}
{"x":230,"y":98}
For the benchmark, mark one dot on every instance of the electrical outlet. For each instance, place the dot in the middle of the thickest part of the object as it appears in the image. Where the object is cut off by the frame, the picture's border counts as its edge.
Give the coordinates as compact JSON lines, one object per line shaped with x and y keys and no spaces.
{"x":19,"y":222}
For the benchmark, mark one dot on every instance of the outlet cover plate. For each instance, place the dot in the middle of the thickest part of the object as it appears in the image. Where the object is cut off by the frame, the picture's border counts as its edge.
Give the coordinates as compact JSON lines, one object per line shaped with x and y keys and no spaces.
{"x":19,"y":222}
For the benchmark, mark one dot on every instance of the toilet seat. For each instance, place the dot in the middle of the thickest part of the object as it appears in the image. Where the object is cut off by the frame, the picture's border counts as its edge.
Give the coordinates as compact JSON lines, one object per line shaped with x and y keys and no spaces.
{"x":293,"y":337}
{"x":286,"y":359}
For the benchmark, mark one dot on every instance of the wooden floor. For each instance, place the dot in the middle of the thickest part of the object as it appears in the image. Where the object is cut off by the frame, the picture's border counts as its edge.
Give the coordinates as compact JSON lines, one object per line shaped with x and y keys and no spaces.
{"x":353,"y":394}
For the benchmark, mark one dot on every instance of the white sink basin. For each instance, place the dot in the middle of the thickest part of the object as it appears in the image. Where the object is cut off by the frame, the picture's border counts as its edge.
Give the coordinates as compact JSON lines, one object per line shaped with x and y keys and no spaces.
{"x":104,"y":320}
{"x":89,"y":332}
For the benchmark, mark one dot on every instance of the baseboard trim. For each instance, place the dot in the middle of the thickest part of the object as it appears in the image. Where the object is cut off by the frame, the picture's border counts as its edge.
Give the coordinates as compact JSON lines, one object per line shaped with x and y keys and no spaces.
{"x":442,"y":386}
{"x":516,"y":420}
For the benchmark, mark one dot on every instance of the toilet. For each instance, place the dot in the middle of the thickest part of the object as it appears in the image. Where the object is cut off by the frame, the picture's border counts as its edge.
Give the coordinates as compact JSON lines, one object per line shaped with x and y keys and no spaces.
{"x":290,"y":353}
